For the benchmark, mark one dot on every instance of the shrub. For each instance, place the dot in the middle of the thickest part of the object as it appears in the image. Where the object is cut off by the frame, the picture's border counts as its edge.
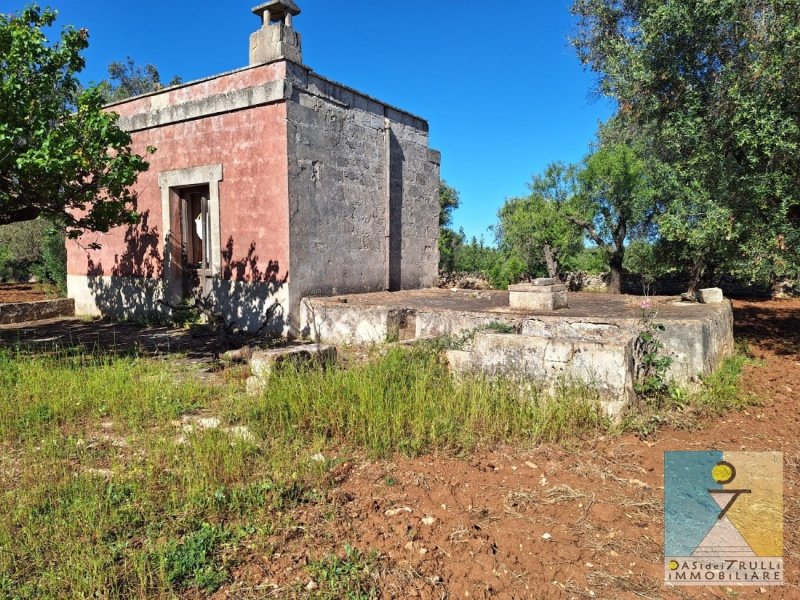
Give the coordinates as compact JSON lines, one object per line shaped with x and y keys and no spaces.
{"x":53,"y":265}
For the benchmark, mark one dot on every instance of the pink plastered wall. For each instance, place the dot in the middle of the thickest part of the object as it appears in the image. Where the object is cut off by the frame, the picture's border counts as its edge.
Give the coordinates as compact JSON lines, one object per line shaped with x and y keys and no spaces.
{"x":254,"y":222}
{"x":191,"y":91}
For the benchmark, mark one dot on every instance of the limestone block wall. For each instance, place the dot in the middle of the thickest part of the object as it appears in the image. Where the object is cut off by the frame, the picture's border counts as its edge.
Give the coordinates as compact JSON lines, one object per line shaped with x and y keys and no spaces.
{"x":606,"y":366}
{"x":357,"y":188}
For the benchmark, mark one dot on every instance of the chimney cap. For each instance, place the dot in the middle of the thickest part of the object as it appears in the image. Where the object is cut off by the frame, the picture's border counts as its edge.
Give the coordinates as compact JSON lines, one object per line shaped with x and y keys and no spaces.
{"x":277,"y":9}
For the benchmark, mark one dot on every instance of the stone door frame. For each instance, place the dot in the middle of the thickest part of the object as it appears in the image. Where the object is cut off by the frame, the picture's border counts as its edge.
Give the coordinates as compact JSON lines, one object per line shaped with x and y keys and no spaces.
{"x":170,"y":183}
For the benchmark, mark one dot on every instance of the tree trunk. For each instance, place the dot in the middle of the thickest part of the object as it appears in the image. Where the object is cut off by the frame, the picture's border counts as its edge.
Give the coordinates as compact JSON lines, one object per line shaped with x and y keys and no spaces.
{"x":615,"y":280}
{"x":550,"y":260}
{"x":696,"y":275}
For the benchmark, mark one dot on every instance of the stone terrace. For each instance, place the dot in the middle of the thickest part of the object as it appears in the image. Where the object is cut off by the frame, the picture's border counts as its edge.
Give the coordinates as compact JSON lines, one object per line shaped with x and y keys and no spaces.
{"x":592,"y":341}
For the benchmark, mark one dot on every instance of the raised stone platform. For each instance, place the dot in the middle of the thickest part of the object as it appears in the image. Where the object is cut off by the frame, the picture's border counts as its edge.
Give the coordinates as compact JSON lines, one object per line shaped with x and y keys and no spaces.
{"x":24,"y":312}
{"x":590,"y":340}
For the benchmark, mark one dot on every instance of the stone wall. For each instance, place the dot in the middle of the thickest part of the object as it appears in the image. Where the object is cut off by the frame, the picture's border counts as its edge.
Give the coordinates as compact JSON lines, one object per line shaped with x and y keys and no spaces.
{"x":606,"y":365}
{"x":22,"y":312}
{"x":345,"y":171}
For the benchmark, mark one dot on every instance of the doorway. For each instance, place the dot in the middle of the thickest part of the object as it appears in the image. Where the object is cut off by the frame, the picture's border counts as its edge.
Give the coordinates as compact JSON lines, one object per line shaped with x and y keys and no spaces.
{"x":195,"y":236}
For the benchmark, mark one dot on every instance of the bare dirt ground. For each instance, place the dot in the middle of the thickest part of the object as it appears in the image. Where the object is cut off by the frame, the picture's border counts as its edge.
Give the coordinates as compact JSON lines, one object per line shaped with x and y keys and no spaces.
{"x":550,"y":522}
{"x":24,"y":292}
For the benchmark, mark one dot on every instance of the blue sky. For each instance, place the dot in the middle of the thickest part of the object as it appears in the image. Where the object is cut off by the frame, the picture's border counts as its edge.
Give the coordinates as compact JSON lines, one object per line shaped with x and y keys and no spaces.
{"x":499,"y":84}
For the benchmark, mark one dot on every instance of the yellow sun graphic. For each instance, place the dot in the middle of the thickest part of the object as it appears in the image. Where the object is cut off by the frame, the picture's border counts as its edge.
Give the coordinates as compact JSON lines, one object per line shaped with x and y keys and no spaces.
{"x":723,"y":472}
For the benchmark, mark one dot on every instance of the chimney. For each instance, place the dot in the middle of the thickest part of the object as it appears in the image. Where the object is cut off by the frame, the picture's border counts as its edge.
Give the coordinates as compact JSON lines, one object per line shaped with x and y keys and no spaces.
{"x":276,"y":38}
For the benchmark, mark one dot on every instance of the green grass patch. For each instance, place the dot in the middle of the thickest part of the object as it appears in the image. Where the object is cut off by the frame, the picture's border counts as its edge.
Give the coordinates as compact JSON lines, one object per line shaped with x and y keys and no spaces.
{"x":721,"y":391}
{"x":104,"y":493}
{"x":350,"y":576}
{"x":406,"y":401}
{"x":194,"y":560}
{"x":716,"y":394}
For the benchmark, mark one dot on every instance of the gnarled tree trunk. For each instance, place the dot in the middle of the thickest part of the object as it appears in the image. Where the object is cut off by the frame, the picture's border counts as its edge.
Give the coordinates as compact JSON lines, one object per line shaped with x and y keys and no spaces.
{"x":551,"y":260}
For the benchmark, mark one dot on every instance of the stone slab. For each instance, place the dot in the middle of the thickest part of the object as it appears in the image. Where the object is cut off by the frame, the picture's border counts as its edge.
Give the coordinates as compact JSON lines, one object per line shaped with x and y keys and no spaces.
{"x":607,"y":366}
{"x":710,"y":296}
{"x":538,"y":288}
{"x":264,"y":362}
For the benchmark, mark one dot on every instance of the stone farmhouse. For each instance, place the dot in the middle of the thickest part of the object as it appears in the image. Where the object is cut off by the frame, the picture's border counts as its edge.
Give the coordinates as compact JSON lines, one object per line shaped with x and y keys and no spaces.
{"x":270,"y":183}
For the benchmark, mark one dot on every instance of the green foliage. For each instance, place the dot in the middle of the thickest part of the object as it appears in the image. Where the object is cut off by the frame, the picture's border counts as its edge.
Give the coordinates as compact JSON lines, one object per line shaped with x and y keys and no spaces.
{"x":193,"y":561}
{"x":680,"y":407}
{"x":473,"y":256}
{"x":506,"y":270}
{"x":350,"y":576}
{"x":23,"y":242}
{"x":53,"y":265}
{"x":126,"y":80}
{"x":713,"y":88}
{"x":449,"y":240}
{"x":535,"y":230}
{"x":61,"y":155}
{"x":651,"y":385}
{"x":615,"y":184}
{"x":721,"y":390}
{"x":589,"y":260}
{"x":7,"y":270}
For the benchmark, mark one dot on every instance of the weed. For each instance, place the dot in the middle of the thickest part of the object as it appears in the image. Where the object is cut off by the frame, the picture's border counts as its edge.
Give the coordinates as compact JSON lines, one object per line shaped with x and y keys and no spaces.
{"x":717,"y":393}
{"x":651,"y":385}
{"x":465,"y":339}
{"x":721,"y":390}
{"x":193,"y":561}
{"x":351,"y":576}
{"x":407,"y":401}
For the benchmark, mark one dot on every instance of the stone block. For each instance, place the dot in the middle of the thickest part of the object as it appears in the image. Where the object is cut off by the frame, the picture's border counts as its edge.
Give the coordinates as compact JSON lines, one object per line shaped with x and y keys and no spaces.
{"x":264,"y":362}
{"x":528,"y":296}
{"x":535,"y":288}
{"x":255,"y":386}
{"x":606,"y":366}
{"x":345,"y":324}
{"x":460,"y":361}
{"x":539,"y":281}
{"x":710,"y":296}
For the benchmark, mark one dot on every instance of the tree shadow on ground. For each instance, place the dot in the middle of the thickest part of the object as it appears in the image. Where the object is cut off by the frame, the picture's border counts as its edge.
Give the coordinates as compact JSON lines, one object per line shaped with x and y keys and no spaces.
{"x":772,"y":324}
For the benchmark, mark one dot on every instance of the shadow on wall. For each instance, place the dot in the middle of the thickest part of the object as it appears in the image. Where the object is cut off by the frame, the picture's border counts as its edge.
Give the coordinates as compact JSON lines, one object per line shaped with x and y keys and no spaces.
{"x":245,"y":296}
{"x":396,"y":160}
{"x":132,"y":288}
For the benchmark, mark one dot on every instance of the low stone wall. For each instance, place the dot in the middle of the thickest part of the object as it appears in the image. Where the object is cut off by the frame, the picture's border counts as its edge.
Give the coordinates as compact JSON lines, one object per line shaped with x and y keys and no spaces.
{"x":592,"y":341}
{"x":344,"y":325}
{"x":607,"y":366}
{"x":23,"y":312}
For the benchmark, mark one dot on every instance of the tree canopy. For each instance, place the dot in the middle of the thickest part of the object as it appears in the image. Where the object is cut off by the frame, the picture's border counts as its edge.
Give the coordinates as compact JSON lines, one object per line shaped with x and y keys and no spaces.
{"x":713,"y":86}
{"x":535,"y":228}
{"x":127,"y":79}
{"x":61,"y":155}
{"x":449,"y":239}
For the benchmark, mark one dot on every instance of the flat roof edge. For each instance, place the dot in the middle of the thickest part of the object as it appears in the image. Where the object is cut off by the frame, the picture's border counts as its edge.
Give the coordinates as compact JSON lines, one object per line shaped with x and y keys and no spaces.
{"x":348,"y":88}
